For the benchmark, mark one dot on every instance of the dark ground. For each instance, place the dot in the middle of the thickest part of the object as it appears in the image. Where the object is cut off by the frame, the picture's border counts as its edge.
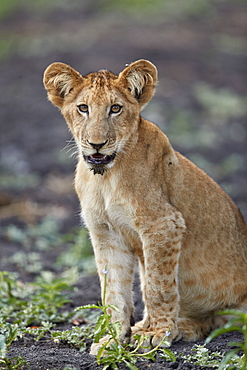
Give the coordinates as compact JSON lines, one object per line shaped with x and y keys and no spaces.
{"x":36,"y":178}
{"x":47,"y":355}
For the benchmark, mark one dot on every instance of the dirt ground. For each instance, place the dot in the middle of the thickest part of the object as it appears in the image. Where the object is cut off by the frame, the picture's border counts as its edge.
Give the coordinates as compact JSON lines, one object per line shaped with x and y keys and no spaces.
{"x":45,"y":354}
{"x":196,"y":52}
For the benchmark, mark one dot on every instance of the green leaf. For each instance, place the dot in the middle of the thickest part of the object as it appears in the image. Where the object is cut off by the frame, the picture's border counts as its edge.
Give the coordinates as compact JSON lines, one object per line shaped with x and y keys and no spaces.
{"x":231,"y":312}
{"x":220,"y":331}
{"x":150,"y":356}
{"x":100,"y":328}
{"x":236,"y":344}
{"x":100,"y":353}
{"x":227,"y":359}
{"x":2,"y":346}
{"x":87,"y":306}
{"x":130,"y":366}
{"x":113,"y":307}
{"x":110,"y":366}
{"x":169,"y":353}
{"x":116,"y":328}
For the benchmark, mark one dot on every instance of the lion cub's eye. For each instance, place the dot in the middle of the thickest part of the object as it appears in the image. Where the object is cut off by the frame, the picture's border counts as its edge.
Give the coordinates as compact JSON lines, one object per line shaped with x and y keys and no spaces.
{"x":115,"y":108}
{"x":83,"y":108}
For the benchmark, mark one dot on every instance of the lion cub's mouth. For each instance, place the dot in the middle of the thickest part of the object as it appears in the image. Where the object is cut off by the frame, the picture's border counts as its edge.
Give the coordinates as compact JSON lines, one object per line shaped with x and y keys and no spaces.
{"x":99,"y":159}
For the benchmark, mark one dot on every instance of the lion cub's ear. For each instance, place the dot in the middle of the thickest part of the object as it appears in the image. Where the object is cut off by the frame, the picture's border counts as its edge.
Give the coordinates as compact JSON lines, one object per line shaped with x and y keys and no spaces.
{"x":59,"y":80}
{"x":140,"y":78}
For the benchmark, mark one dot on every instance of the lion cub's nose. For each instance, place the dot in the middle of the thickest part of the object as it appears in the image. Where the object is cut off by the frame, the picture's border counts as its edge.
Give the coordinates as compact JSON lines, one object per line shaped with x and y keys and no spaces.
{"x":97,"y":146}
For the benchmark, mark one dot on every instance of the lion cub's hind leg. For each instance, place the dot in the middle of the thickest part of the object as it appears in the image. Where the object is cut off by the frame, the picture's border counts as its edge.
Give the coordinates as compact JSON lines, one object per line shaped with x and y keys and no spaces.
{"x":191,"y":329}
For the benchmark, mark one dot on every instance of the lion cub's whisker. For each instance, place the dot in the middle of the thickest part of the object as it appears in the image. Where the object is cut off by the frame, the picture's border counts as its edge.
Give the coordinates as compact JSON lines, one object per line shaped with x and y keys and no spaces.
{"x":71,"y":148}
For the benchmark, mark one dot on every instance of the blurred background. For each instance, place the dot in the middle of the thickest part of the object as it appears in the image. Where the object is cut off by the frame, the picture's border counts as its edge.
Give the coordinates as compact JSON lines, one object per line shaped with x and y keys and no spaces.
{"x":200,"y":50}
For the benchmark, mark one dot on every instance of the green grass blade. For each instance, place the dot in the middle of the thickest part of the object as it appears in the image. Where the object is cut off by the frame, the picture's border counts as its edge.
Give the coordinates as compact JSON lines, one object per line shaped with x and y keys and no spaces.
{"x":221,"y":331}
{"x":130,"y":365}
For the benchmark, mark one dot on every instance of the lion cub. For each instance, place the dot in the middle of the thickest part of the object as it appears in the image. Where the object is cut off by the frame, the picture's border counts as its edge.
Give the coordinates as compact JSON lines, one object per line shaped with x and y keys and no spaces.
{"x":141,"y":199}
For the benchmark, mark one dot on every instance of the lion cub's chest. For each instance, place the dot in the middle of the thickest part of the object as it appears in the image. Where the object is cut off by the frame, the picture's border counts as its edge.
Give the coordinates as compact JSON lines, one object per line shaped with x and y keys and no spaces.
{"x":109,"y":216}
{"x":106,"y":205}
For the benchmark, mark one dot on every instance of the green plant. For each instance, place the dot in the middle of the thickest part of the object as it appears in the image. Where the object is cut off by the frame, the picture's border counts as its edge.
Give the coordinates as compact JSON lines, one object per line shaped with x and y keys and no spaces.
{"x":38,"y":238}
{"x":10,"y":181}
{"x":29,"y":262}
{"x":113,"y":351}
{"x":167,"y":9}
{"x":26,"y":304}
{"x":49,"y":290}
{"x":35,"y":237}
{"x":79,"y":251}
{"x":67,"y":368}
{"x":39,"y":331}
{"x":238,"y":322}
{"x":203,"y":356}
{"x":220,"y":104}
{"x":6,"y":339}
{"x":74,"y":336}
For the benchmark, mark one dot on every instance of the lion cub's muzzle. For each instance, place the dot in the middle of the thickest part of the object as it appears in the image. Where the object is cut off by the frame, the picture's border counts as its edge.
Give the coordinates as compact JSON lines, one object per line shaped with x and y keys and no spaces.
{"x":98,"y":160}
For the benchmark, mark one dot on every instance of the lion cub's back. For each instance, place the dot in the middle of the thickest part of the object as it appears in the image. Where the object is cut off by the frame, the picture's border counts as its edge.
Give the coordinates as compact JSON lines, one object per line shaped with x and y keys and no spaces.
{"x":213,"y":260}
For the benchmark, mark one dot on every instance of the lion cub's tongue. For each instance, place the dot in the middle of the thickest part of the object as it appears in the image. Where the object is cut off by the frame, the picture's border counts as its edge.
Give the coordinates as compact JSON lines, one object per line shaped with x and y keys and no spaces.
{"x":98,"y":156}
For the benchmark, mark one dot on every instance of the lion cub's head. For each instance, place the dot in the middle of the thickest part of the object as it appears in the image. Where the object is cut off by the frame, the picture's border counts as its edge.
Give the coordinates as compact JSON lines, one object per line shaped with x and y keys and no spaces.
{"x":102,"y":110}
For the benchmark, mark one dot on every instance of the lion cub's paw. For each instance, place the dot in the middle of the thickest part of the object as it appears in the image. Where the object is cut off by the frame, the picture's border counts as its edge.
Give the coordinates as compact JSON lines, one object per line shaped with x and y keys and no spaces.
{"x":107,"y":340}
{"x":192,"y":330}
{"x":95,"y":347}
{"x":153,"y":338}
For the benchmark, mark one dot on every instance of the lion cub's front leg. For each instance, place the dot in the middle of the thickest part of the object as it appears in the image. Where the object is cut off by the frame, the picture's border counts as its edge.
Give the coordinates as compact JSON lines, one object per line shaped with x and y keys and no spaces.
{"x":115,"y":265}
{"x":161,"y":250}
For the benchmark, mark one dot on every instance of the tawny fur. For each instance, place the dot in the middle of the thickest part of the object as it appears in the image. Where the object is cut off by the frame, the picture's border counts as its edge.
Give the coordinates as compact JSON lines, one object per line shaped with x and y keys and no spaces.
{"x":153,"y":204}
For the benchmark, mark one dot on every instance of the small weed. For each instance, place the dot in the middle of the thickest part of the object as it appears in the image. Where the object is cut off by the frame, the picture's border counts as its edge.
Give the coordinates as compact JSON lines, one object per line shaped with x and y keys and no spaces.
{"x":67,"y":368}
{"x":166,"y":9}
{"x":17,"y":182}
{"x":114,"y":353}
{"x":46,"y":234}
{"x":29,"y":262}
{"x":6,"y":339}
{"x":49,"y":292}
{"x":26,"y":304}
{"x":74,"y":336}
{"x":220,"y":104}
{"x":35,"y":237}
{"x":203,"y":357}
{"x":39,"y":331}
{"x":237,"y":323}
{"x":79,"y":252}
